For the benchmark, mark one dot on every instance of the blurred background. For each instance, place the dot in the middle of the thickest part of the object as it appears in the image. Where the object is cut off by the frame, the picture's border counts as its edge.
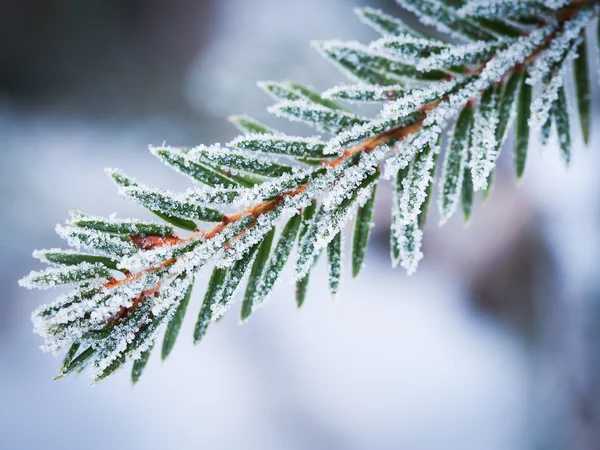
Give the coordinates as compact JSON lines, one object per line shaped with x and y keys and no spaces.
{"x":493,"y":344}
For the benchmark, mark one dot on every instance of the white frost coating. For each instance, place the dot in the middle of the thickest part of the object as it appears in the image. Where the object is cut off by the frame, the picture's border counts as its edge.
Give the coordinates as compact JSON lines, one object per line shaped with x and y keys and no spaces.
{"x":41,"y":254}
{"x":484,"y":146}
{"x":106,"y":303}
{"x":410,"y":238}
{"x":390,"y":42}
{"x":240,"y":245}
{"x":492,"y":73}
{"x":128,"y":341}
{"x":438,"y":15}
{"x":196,"y":198}
{"x":335,"y":266}
{"x":414,"y":185}
{"x":97,"y":241}
{"x":364,"y":93}
{"x":407,"y":47}
{"x":509,"y":8}
{"x":233,"y":159}
{"x":343,"y":50}
{"x":209,"y":248}
{"x":400,"y":27}
{"x":173,"y":290}
{"x":168,"y":202}
{"x":407,"y":150}
{"x":279,"y":91}
{"x":460,"y":54}
{"x":382,"y":66}
{"x":417,"y":98}
{"x":206,"y":195}
{"x":231,"y":285}
{"x":327,"y":225}
{"x":273,"y":188}
{"x":121,"y":225}
{"x":406,"y":237}
{"x":73,"y":319}
{"x":353,"y":176}
{"x":280,"y":144}
{"x":44,"y":312}
{"x":452,"y":178}
{"x":393,"y":114}
{"x":546,"y":62}
{"x":318,"y":185}
{"x":358,"y":132}
{"x":108,"y":350}
{"x":541,"y":105}
{"x":319,"y":116}
{"x":60,"y":276}
{"x":154,"y":257}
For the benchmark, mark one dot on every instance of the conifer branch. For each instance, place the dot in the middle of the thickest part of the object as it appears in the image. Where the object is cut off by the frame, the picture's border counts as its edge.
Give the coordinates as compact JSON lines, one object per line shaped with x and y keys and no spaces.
{"x":132,"y":279}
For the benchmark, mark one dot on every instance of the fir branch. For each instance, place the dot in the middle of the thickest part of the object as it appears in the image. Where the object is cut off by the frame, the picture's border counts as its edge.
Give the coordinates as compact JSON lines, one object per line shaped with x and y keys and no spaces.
{"x":132,"y":279}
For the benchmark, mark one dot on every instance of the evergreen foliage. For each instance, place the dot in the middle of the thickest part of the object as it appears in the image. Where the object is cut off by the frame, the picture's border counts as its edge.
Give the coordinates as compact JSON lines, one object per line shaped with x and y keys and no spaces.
{"x":501,"y":61}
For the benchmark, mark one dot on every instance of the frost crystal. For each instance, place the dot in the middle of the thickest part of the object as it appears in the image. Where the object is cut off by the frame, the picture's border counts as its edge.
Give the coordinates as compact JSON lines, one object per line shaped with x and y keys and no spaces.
{"x":97,"y":241}
{"x":319,"y":116}
{"x":352,"y":177}
{"x":384,"y":23}
{"x":540,"y":107}
{"x":416,"y":182}
{"x":444,"y":19}
{"x":458,"y":55}
{"x":484,"y":145}
{"x":57,"y":276}
{"x":410,"y":238}
{"x":510,"y":8}
{"x":454,"y":165}
{"x":284,"y":145}
{"x":361,"y":93}
{"x":407,"y":150}
{"x":556,"y":52}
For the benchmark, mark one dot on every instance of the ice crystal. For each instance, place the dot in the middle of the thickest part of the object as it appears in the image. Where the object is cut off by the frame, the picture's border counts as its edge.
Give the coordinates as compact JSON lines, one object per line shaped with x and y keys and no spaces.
{"x":540,"y":107}
{"x":384,"y":23}
{"x":454,"y":165}
{"x":361,"y":93}
{"x":319,"y":116}
{"x":97,"y":241}
{"x":510,"y":8}
{"x":483,"y":139}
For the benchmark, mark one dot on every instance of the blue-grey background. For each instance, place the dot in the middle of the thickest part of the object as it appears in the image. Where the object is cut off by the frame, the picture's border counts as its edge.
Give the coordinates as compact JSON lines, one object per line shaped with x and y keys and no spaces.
{"x":492,"y":345}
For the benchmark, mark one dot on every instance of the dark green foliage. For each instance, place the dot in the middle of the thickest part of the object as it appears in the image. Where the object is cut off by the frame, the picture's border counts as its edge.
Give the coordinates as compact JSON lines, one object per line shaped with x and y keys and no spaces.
{"x":467,"y":196}
{"x":280,"y":255}
{"x":174,"y":324}
{"x":249,"y":125}
{"x":212,"y":291}
{"x":509,"y":95}
{"x":302,"y":284}
{"x":256,"y":274}
{"x":560,"y":111}
{"x":522,"y":126}
{"x":115,"y":226}
{"x":362,"y":230}
{"x":334,"y":258}
{"x":583,"y":89}
{"x":139,"y":365}
{"x":70,"y":259}
{"x":195,"y":170}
